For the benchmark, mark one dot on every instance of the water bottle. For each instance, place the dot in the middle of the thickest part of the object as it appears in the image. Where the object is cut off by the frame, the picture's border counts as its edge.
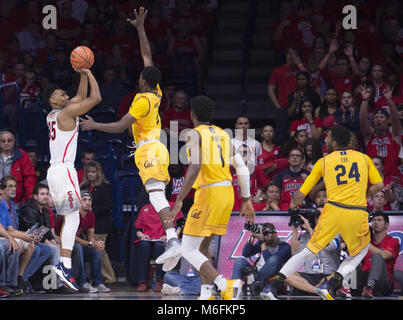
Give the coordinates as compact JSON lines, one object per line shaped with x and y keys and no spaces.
{"x":33,"y":228}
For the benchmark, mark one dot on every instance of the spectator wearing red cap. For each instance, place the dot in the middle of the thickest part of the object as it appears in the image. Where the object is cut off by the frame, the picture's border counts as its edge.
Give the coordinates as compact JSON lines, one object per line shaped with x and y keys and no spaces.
{"x":380,"y":140}
{"x":394,"y":82}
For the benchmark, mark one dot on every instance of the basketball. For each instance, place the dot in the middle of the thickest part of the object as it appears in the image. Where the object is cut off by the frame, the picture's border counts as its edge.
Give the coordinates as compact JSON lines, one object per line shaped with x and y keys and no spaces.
{"x":82,"y":57}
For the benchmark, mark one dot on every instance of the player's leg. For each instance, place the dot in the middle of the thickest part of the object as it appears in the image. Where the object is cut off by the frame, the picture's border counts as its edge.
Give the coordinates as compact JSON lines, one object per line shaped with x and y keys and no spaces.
{"x":63,"y":186}
{"x":67,"y":238}
{"x":354,"y":229}
{"x":156,"y":192}
{"x":324,"y":232}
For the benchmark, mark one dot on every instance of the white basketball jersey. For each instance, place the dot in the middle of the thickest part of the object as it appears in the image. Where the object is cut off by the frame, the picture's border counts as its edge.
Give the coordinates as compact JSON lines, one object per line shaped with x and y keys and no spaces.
{"x":62,"y":144}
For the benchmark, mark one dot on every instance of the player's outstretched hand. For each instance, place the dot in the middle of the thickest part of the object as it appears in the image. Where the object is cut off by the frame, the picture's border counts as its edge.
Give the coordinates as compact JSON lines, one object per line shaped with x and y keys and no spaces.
{"x":82,"y":71}
{"x":174,"y":211}
{"x":248,"y":211}
{"x":88,"y":124}
{"x":139,"y":17}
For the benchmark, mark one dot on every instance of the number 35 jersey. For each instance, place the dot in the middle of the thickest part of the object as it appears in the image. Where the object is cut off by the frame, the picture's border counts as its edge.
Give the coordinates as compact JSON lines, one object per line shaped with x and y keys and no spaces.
{"x":62,"y":144}
{"x":215,"y":150}
{"x":346,"y":174}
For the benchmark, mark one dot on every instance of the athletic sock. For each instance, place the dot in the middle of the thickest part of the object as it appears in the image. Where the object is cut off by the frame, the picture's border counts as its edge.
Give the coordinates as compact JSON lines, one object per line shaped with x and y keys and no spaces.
{"x":206,"y":291}
{"x":171,"y":233}
{"x":221,"y":282}
{"x":66,"y":262}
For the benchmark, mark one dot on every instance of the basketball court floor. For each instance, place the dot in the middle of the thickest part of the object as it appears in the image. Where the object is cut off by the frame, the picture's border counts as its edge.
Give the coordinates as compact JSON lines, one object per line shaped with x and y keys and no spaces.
{"x":123,"y":291}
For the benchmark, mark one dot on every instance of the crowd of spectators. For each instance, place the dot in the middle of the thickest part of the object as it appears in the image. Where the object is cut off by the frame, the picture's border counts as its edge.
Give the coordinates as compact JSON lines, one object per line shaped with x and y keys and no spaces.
{"x":324,"y":75}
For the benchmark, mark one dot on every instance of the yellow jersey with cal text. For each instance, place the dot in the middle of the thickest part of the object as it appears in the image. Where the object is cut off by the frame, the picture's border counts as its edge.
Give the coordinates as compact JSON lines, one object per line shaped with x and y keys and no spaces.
{"x":145,"y":108}
{"x":346,"y":174}
{"x":215,"y":151}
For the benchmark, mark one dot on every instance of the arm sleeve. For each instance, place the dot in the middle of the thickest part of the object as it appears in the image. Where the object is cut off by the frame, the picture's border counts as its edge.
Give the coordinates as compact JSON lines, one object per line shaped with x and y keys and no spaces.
{"x":250,"y":250}
{"x":313,"y":178}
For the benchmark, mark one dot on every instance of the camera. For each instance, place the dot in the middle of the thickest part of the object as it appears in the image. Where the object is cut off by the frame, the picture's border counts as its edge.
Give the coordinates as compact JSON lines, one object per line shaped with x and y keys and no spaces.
{"x":307,"y":213}
{"x":256,"y":228}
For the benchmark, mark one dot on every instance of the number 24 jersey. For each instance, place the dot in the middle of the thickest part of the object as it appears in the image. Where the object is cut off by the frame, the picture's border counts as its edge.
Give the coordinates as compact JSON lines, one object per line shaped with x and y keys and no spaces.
{"x":346,"y":174}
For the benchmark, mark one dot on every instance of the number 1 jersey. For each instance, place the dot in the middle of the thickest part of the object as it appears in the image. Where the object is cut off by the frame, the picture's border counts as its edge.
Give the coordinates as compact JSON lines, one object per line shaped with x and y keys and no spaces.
{"x":62,"y":144}
{"x":346,"y":174}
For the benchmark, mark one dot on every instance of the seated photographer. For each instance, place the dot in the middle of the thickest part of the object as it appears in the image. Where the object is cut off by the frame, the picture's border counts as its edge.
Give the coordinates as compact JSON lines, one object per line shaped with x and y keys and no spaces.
{"x":273,"y":252}
{"x":375,"y":275}
{"x":324,"y":263}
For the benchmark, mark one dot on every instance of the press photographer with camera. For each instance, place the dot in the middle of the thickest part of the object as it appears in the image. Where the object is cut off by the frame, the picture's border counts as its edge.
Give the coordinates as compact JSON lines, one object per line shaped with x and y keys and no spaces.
{"x":323,"y":263}
{"x":272,"y":250}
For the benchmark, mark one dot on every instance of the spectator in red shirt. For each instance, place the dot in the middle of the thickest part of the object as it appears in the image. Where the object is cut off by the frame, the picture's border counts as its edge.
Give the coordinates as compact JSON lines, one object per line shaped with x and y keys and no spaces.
{"x":150,"y":241}
{"x":271,"y":199}
{"x":341,"y":79}
{"x":283,"y":82}
{"x":377,"y":267}
{"x":377,"y":76}
{"x":68,"y":28}
{"x":48,"y":53}
{"x":380,"y":140}
{"x":87,"y":156}
{"x":307,"y":121}
{"x":180,"y":113}
{"x":30,"y":87}
{"x":388,"y":182}
{"x":393,"y":81}
{"x":128,"y":43}
{"x":364,"y":65}
{"x":86,"y":248}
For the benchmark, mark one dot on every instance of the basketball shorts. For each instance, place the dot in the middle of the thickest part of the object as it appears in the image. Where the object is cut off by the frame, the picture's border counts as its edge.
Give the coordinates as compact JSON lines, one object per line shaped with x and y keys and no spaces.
{"x":64,"y":188}
{"x":152,"y":160}
{"x":352,"y":224}
{"x":210,"y":212}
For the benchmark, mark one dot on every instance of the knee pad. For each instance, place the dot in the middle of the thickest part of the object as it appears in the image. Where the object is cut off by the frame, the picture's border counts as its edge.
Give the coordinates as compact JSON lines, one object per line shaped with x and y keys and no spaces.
{"x":157,"y":198}
{"x":190,"y":251}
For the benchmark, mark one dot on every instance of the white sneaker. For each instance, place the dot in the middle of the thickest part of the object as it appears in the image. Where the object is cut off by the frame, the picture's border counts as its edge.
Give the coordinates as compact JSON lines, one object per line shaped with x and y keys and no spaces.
{"x":171,"y":291}
{"x":172,"y":251}
{"x":89,"y":288}
{"x":102,"y":288}
{"x":171,"y":263}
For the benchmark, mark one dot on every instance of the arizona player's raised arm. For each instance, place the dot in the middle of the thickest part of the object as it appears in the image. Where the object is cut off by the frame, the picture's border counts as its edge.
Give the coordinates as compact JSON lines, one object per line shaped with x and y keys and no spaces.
{"x":144,"y":44}
{"x":243,"y":175}
{"x":77,"y":109}
{"x":82,"y":90}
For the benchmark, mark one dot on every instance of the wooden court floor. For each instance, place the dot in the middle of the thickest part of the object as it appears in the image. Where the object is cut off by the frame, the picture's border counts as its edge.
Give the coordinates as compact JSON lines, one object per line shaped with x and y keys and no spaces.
{"x":124,"y":291}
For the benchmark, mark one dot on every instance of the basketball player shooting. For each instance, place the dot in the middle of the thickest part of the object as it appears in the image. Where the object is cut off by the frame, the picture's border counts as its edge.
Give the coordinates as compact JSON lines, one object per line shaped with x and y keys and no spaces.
{"x":151,"y":156}
{"x":61,"y":176}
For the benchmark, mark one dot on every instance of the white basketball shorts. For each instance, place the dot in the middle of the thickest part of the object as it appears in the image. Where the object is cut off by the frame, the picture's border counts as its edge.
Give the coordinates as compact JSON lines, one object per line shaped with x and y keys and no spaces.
{"x":64,"y":188}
